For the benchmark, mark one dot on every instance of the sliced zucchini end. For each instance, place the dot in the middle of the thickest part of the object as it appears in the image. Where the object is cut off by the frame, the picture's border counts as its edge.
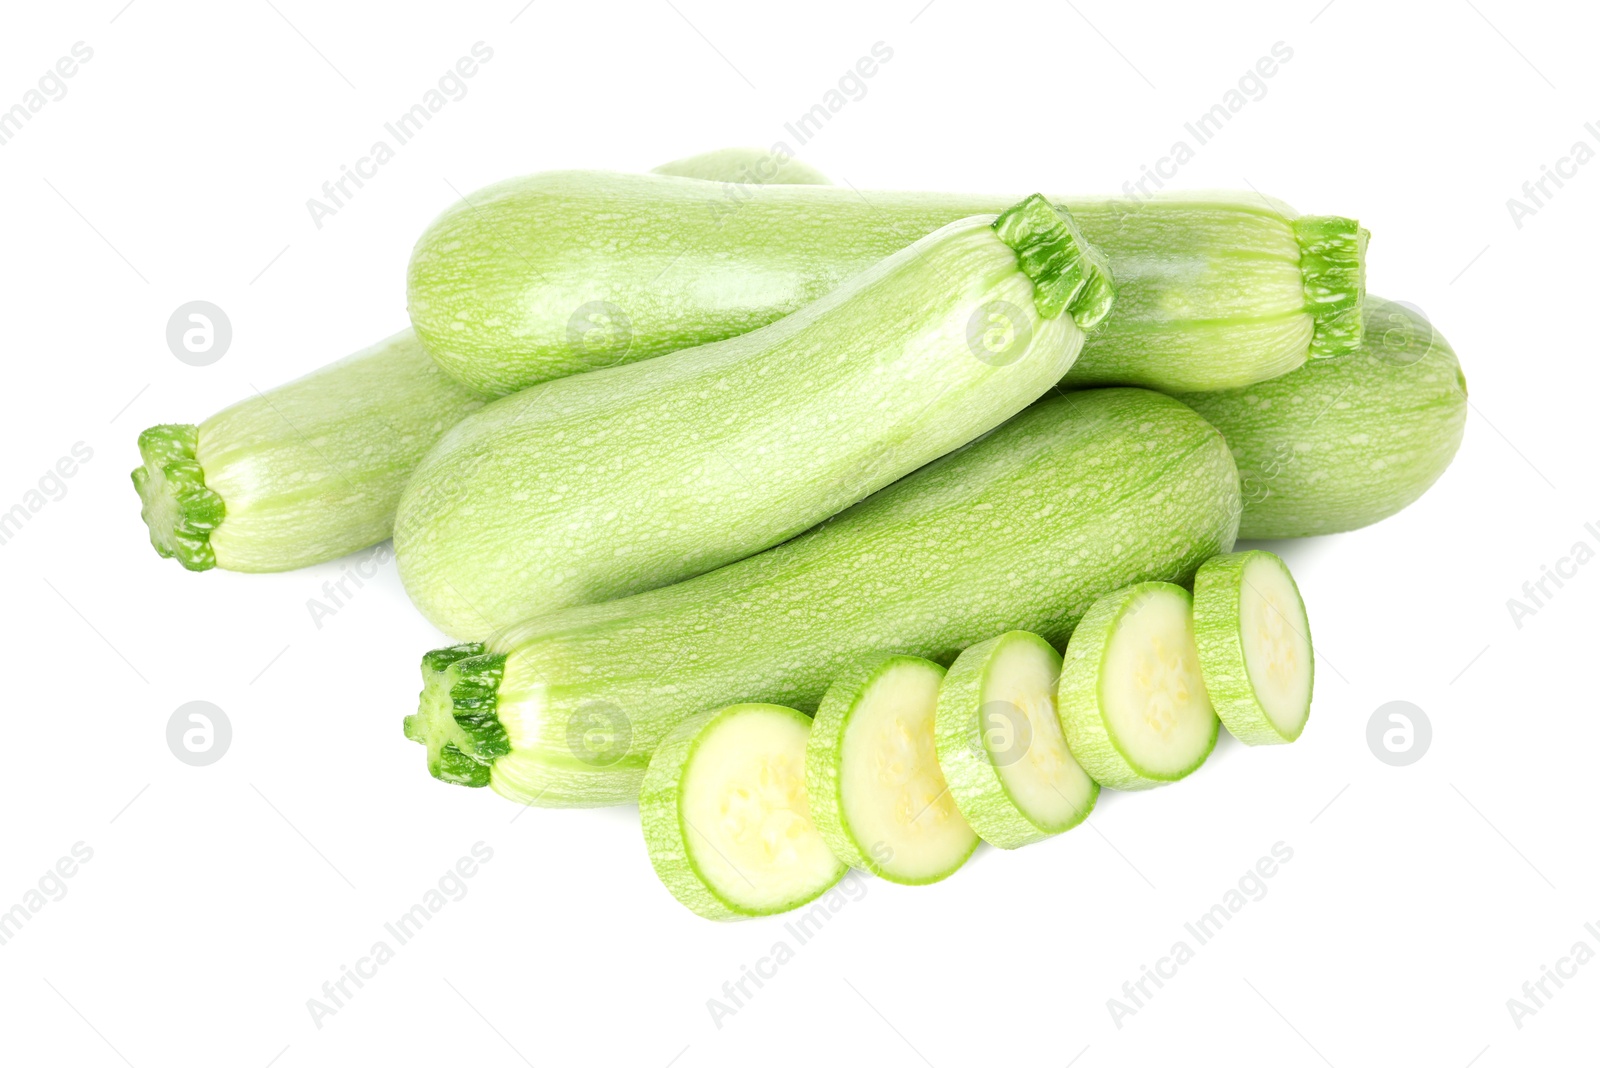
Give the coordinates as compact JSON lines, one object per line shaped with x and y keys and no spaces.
{"x":456,"y":716}
{"x":1068,"y":273}
{"x":177,"y":506}
{"x":1255,"y":646}
{"x":1333,"y":270}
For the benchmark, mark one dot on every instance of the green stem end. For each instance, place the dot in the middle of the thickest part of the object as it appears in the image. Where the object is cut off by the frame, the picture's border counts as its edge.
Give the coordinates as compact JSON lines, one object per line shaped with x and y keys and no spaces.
{"x":179,"y":509}
{"x":1068,"y":273}
{"x":456,"y":715}
{"x":1333,"y":269}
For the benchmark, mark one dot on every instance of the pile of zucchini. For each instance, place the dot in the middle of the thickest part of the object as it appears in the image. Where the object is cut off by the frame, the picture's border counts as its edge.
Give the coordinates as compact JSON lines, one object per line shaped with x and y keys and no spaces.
{"x":838,"y":529}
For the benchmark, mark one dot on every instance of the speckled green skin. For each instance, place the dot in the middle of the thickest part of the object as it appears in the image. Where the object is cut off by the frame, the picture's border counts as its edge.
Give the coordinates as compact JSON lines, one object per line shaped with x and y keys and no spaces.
{"x":1218,"y":589}
{"x":661,"y":815}
{"x":1340,"y":444}
{"x":1079,"y":495}
{"x":547,"y":275}
{"x":313,"y":469}
{"x":610,"y":483}
{"x":1079,"y":704}
{"x":979,"y":791}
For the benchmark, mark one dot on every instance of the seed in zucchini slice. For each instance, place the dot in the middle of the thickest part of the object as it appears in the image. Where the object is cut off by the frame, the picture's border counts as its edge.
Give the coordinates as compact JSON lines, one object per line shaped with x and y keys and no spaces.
{"x":1254,"y":644}
{"x":726,"y":818}
{"x":1000,"y":743}
{"x":877,"y":792}
{"x":1131,"y":697}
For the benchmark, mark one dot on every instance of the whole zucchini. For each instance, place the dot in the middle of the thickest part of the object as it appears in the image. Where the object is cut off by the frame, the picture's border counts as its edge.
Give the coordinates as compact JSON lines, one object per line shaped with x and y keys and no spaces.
{"x":1339,"y":444}
{"x":545,"y":276}
{"x":302,"y":473}
{"x":1081,"y":494}
{"x":609,"y":483}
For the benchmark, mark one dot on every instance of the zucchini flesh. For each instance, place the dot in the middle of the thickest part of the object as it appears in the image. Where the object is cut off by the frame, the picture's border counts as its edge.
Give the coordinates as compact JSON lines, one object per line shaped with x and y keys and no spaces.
{"x":1254,"y":644}
{"x":303,"y":473}
{"x":872,"y":772}
{"x":726,"y":818}
{"x":1001,"y":746}
{"x":1340,"y":444}
{"x":1215,"y":291}
{"x":1132,"y":699}
{"x":1081,"y":494}
{"x":746,"y":166}
{"x":606,"y":484}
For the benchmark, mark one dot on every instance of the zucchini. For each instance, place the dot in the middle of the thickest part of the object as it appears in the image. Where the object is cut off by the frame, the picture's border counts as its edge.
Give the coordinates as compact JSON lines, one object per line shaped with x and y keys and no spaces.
{"x":744,"y":166}
{"x":606,"y":484}
{"x":1254,"y":645}
{"x":1080,"y":494}
{"x":1340,"y":444}
{"x":303,"y":473}
{"x":1001,"y":746}
{"x":877,"y":794}
{"x":548,"y":275}
{"x":725,"y":815}
{"x":1132,"y":700}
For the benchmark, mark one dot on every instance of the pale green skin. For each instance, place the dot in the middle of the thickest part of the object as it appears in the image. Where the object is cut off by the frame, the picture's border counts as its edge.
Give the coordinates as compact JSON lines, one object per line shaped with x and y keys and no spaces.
{"x":1340,"y":444}
{"x":1212,"y":288}
{"x":312,"y":470}
{"x":606,"y":484}
{"x":824,"y":770}
{"x":1217,"y":589}
{"x":755,"y":166}
{"x":1078,"y":697}
{"x":969,"y":768}
{"x":1079,"y":495}
{"x":666,"y":837}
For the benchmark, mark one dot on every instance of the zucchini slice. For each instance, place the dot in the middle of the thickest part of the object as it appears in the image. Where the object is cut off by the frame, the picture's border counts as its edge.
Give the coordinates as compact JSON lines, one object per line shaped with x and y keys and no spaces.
{"x":878,"y":794}
{"x":1255,"y":646}
{"x":1000,"y":743}
{"x":725,"y":815}
{"x":1132,"y":698}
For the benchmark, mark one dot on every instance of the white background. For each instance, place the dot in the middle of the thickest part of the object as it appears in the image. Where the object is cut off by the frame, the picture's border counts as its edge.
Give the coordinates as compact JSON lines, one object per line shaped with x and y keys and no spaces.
{"x":219,"y":899}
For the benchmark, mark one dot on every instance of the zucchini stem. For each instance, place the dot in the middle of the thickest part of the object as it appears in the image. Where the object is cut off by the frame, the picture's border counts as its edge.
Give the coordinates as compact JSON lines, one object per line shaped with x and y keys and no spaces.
{"x":1333,"y":258}
{"x":178,"y":507}
{"x":1068,"y":273}
{"x":457,"y":713}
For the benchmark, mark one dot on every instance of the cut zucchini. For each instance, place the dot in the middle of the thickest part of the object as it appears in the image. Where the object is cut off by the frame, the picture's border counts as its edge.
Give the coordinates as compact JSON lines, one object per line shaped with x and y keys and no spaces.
{"x":725,"y":815}
{"x":1255,"y":646}
{"x":1132,"y":699}
{"x":1000,"y":743}
{"x":878,"y":795}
